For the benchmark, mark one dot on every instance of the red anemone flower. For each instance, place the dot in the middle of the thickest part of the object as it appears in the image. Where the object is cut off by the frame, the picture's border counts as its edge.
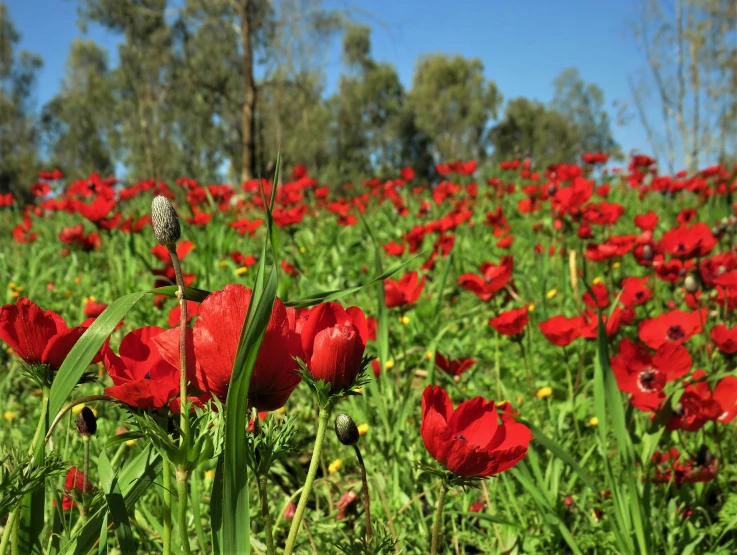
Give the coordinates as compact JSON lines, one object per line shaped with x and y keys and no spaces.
{"x":644,"y":375}
{"x":634,"y":291}
{"x":37,"y":336}
{"x":74,"y":485}
{"x":454,"y":367}
{"x":561,"y":331}
{"x":404,"y":292}
{"x":725,"y":338}
{"x":333,"y":340}
{"x":696,"y":406}
{"x":215,"y":337}
{"x":725,"y":393}
{"x":511,"y":322}
{"x":142,"y":377}
{"x":492,"y":279}
{"x":92,"y":309}
{"x":677,"y":326}
{"x":688,"y":241}
{"x":470,"y":440}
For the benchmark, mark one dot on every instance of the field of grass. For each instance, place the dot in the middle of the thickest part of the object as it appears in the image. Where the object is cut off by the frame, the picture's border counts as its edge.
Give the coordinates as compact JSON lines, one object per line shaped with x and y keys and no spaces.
{"x":595,"y":307}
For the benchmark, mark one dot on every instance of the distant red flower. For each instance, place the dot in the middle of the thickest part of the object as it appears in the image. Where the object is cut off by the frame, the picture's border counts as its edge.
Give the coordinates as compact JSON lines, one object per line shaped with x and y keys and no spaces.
{"x":193,"y":309}
{"x":696,"y":406}
{"x":244,"y":226}
{"x":75,"y":236}
{"x":454,"y":367}
{"x":289,"y":216}
{"x":40,"y":189}
{"x":162,"y":253}
{"x":215,"y":342}
{"x":634,"y":291}
{"x":470,"y":440}
{"x":644,"y":376}
{"x":492,"y":279}
{"x":334,"y":340}
{"x":686,"y":216}
{"x":600,"y":298}
{"x":37,"y":336}
{"x":647,"y":222}
{"x":505,"y":243}
{"x":141,"y":376}
{"x":511,"y":322}
{"x":22,"y":232}
{"x":404,"y":292}
{"x":725,"y":393}
{"x":688,"y":241}
{"x":243,"y":260}
{"x":590,"y":323}
{"x":408,"y":174}
{"x":92,"y":309}
{"x":561,"y":331}
{"x":725,"y":338}
{"x":74,"y":485}
{"x":393,"y":249}
{"x":676,"y":326}
{"x":349,"y":498}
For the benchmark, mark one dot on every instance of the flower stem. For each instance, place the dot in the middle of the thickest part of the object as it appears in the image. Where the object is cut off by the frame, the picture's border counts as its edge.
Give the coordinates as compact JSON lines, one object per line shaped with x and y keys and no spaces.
{"x":196,"y":496}
{"x":167,"y":509}
{"x":9,"y":525}
{"x":182,"y":476}
{"x":366,"y":499}
{"x":86,"y":471}
{"x":311,"y":473}
{"x":264,"y":499}
{"x":437,"y":524}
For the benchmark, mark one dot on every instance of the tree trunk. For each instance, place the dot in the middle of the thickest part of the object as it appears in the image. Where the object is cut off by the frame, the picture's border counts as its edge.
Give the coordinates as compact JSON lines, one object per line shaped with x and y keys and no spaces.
{"x":248,"y":122}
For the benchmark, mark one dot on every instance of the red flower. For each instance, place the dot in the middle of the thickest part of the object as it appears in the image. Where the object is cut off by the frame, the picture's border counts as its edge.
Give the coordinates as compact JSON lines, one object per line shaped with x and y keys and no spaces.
{"x":470,"y":440}
{"x":93,"y":309}
{"x":244,"y":226}
{"x":193,"y":309}
{"x":404,"y":292}
{"x":677,"y":326}
{"x":393,"y":249}
{"x":644,"y":376}
{"x":634,"y":291}
{"x":688,"y":242}
{"x":600,"y":298}
{"x":162,"y":253}
{"x":40,"y":189}
{"x":454,"y":367}
{"x":215,"y":338}
{"x":511,"y":322}
{"x":333,"y":340}
{"x":37,"y":336}
{"x":561,"y":331}
{"x":493,"y":278}
{"x":647,"y":222}
{"x":73,"y":487}
{"x":505,"y":243}
{"x":725,"y":393}
{"x":142,"y":377}
{"x":725,"y":338}
{"x":408,"y":174}
{"x":696,"y":407}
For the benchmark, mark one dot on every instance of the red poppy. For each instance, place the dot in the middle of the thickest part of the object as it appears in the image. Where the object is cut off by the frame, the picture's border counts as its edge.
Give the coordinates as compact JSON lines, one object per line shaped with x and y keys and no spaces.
{"x":492,"y":279}
{"x":725,"y":393}
{"x":404,"y":292}
{"x":454,"y":367}
{"x":333,"y":340}
{"x":688,"y":241}
{"x":644,"y":375}
{"x":408,"y":174}
{"x":37,"y":336}
{"x":142,"y":377}
{"x":40,"y":189}
{"x":74,"y":485}
{"x":634,"y":291}
{"x":510,"y":322}
{"x":561,"y":331}
{"x":193,"y":309}
{"x":92,"y":309}
{"x":393,"y":249}
{"x":470,"y":440}
{"x":215,"y":342}
{"x":590,"y":323}
{"x":600,"y":299}
{"x":677,"y":326}
{"x":244,"y":226}
{"x":505,"y":243}
{"x":162,"y":253}
{"x":725,"y":338}
{"x":696,"y":406}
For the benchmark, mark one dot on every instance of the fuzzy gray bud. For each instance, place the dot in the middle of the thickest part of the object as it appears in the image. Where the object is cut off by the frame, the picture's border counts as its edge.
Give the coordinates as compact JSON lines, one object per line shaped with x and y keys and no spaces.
{"x":346,"y":429}
{"x":165,"y":221}
{"x":86,"y":422}
{"x":691,"y":284}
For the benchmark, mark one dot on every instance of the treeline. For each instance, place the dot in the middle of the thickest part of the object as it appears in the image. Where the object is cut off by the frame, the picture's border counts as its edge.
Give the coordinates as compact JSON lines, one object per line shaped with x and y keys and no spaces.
{"x":212,"y":89}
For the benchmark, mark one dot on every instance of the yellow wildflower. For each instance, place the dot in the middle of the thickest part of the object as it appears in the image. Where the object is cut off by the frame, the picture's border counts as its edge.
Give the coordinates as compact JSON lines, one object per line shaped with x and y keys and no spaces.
{"x":242,"y":270}
{"x":594,"y":421}
{"x":130,"y":442}
{"x":15,"y":295}
{"x":428,"y":355}
{"x":597,"y":281}
{"x":544,"y":392}
{"x":615,"y":265}
{"x":210,"y":474}
{"x":404,"y":320}
{"x":389,"y":364}
{"x":362,"y":429}
{"x":530,"y":307}
{"x":552,"y":293}
{"x":302,"y":250}
{"x":223,"y":264}
{"x":11,"y":285}
{"x":8,"y":415}
{"x":335,"y":466}
{"x":520,"y":399}
{"x":77,"y":280}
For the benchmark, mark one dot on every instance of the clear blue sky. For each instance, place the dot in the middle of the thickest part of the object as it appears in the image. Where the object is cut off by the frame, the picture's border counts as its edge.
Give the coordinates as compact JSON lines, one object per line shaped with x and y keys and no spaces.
{"x":523,"y":43}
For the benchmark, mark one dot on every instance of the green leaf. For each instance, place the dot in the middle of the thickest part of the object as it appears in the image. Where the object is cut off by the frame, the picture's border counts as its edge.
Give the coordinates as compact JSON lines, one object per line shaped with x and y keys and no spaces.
{"x":236,"y":521}
{"x":116,"y":504}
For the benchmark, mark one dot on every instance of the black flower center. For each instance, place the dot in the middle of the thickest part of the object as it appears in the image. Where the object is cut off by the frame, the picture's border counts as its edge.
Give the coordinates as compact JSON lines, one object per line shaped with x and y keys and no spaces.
{"x":646,"y":381}
{"x":675,"y":333}
{"x":460,"y":436}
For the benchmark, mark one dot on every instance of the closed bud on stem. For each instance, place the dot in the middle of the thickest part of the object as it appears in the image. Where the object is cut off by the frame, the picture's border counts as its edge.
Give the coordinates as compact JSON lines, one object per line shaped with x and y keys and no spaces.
{"x":691,"y":284}
{"x":165,"y":221}
{"x":346,"y":429}
{"x":86,"y":422}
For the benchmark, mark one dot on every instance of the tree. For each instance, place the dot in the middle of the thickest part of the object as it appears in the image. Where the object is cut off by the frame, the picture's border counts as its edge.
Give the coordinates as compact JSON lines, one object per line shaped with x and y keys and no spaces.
{"x":583,"y":104}
{"x":76,"y":122}
{"x":530,"y":130}
{"x":18,"y":129}
{"x":454,"y":104}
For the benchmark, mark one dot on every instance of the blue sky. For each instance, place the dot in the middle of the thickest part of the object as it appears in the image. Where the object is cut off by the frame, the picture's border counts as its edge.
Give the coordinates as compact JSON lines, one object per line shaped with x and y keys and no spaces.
{"x":523,"y":44}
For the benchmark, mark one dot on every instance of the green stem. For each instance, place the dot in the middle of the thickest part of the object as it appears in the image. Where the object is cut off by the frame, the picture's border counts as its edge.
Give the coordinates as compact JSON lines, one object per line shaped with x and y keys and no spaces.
{"x":196,"y":496}
{"x":9,"y":525}
{"x":311,"y":473}
{"x":86,"y":471}
{"x":437,"y":524}
{"x":167,"y":509}
{"x":366,"y":498}
{"x":182,"y":476}
{"x":264,"y":499}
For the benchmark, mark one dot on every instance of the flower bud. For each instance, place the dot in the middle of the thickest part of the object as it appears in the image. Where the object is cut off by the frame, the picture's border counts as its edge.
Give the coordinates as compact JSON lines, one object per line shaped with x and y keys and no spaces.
{"x":165,"y":221}
{"x":86,"y":422}
{"x":691,"y":284}
{"x":647,"y":252}
{"x":346,"y":429}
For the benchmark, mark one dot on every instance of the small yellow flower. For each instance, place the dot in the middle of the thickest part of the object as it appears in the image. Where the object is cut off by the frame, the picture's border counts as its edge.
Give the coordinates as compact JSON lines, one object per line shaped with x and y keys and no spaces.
{"x":552,"y":293}
{"x":15,"y":295}
{"x":335,"y":466}
{"x":210,"y":474}
{"x":282,"y":410}
{"x":389,"y":364}
{"x":11,"y":285}
{"x":18,"y":289}
{"x":363,"y":429}
{"x":76,"y":409}
{"x":594,"y":421}
{"x":530,"y":307}
{"x":130,"y":442}
{"x":615,"y":265}
{"x":242,"y":270}
{"x":597,"y":281}
{"x":68,"y":293}
{"x":77,"y":280}
{"x":357,"y":389}
{"x":223,"y":264}
{"x":544,"y":392}
{"x":428,"y":355}
{"x":520,"y":399}
{"x":8,"y":415}
{"x":404,"y":320}
{"x":302,"y":250}
{"x":9,"y":350}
